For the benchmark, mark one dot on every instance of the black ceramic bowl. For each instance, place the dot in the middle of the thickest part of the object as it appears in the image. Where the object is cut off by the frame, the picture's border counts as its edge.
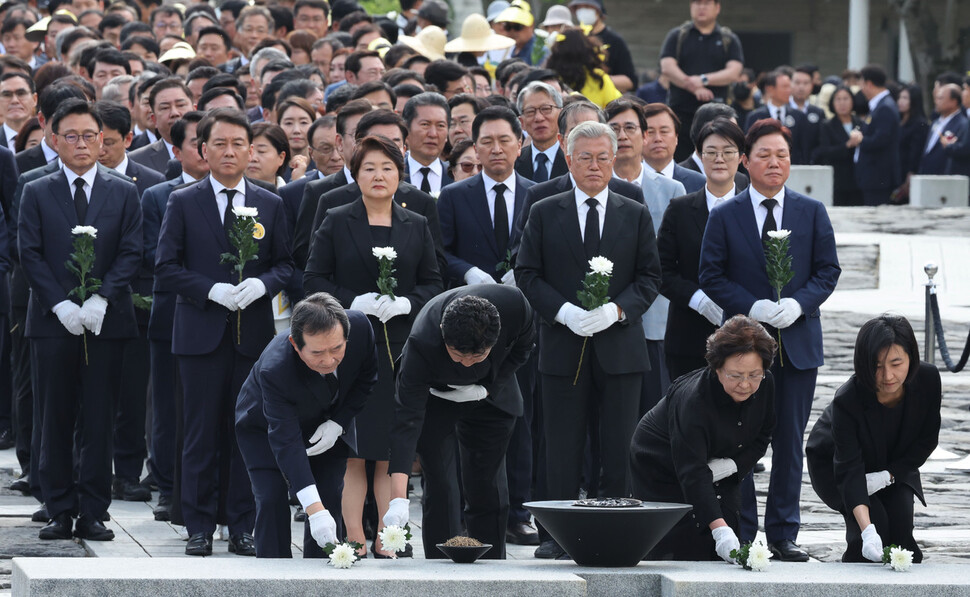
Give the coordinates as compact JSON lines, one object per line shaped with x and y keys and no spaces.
{"x":598,"y":536}
{"x":464,"y":555}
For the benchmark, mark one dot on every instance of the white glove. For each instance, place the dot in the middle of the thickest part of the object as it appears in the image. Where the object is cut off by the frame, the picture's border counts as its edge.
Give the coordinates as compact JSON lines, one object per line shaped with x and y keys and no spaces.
{"x":871,"y":544}
{"x":471,"y":393}
{"x":790,"y":311}
{"x":324,"y":438}
{"x":248,"y":291}
{"x":69,"y":314}
{"x":398,"y":512}
{"x":877,"y":481}
{"x":710,"y":310}
{"x":92,"y":313}
{"x":725,"y":541}
{"x":600,"y":318}
{"x":224,"y":294}
{"x":764,"y":310}
{"x":572,"y":318}
{"x":388,"y":309}
{"x":323,"y":528}
{"x":478,"y":276}
{"x":722,"y":468}
{"x":509,"y":278}
{"x":366,"y":303}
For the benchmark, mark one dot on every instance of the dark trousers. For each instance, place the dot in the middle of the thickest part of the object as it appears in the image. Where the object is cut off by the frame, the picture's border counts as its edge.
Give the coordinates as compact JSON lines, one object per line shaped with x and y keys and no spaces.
{"x":22,"y":392}
{"x":129,"y":441}
{"x":6,"y":386}
{"x":214,"y":476}
{"x":519,"y":457}
{"x":876,"y":196}
{"x":161,"y":460}
{"x":565,"y":412}
{"x":678,"y":364}
{"x":794,"y":392}
{"x":272,"y":532}
{"x":656,"y":380}
{"x":483,"y":433}
{"x":685,"y":146}
{"x":78,"y":408}
{"x":891,"y":510}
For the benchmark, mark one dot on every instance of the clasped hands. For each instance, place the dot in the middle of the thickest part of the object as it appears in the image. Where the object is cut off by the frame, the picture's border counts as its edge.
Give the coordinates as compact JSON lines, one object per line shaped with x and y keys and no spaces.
{"x":780,"y":315}
{"x":586,"y":323}
{"x":381,"y":306}
{"x":76,"y":318}
{"x":239,"y":296}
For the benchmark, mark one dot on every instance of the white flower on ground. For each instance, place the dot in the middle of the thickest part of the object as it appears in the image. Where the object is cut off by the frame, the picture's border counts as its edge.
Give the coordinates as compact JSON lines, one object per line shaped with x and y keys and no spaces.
{"x":779,"y":233}
{"x":241,"y":211}
{"x":89,"y":230}
{"x":385,"y":252}
{"x":343,"y":556}
{"x":900,"y":559}
{"x":394,"y":538}
{"x":601,"y":265}
{"x":758,"y":557}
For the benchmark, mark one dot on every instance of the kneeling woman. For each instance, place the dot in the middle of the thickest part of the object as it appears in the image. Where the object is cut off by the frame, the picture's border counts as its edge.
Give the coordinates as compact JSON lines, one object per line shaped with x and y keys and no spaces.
{"x":704,"y":436}
{"x":866,"y":448}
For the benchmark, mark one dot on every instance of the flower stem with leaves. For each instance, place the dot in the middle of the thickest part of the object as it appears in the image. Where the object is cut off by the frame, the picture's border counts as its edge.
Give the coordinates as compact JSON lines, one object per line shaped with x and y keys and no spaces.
{"x":595,"y":294}
{"x":241,"y":238}
{"x":752,"y":556}
{"x":386,"y":284}
{"x":778,"y":267}
{"x":81,"y":264}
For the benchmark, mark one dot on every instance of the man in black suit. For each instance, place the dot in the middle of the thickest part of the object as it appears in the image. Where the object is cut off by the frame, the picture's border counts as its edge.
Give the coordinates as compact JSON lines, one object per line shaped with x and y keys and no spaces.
{"x":221,"y":324}
{"x":705,"y":114}
{"x":947,"y":136}
{"x":660,"y":145}
{"x":801,"y":91}
{"x":777,"y":94}
{"x":877,"y":143}
{"x":300,"y":398}
{"x":563,"y":234}
{"x":8,"y":185}
{"x":78,"y":396}
{"x":456,"y":385}
{"x":170,"y":99}
{"x":539,"y":105}
{"x":427,"y":117}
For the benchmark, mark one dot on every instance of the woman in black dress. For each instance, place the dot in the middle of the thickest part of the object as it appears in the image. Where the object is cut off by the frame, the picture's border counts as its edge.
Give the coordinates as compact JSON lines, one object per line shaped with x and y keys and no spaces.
{"x":835,"y":148}
{"x":703,"y":437}
{"x":913,"y":129}
{"x":865,"y":451}
{"x":342,"y":263}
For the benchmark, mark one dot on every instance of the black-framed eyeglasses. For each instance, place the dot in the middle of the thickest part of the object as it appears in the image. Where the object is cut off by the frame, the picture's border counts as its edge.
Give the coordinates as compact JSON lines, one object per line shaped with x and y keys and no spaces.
{"x":629,"y":128}
{"x":711,"y":155}
{"x":73,"y":138}
{"x":545,"y":110}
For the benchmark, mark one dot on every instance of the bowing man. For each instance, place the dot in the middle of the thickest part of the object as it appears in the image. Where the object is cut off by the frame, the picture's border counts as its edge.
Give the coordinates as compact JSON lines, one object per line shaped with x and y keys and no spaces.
{"x":295,"y":421}
{"x":78,"y":397}
{"x":221,"y":324}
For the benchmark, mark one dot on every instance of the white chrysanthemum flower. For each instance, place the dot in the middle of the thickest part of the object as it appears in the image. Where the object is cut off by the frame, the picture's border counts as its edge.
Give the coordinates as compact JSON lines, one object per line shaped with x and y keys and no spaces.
{"x":89,"y":230}
{"x":394,"y":538}
{"x":779,"y":233}
{"x":601,"y":265}
{"x":241,"y":211}
{"x":343,"y":556}
{"x":758,"y":557}
{"x":900,"y":559}
{"x":385,"y":253}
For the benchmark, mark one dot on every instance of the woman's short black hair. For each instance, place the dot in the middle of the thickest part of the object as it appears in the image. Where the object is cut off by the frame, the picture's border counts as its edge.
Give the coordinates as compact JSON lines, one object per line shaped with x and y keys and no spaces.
{"x":877,"y":335}
{"x":317,"y":313}
{"x":277,"y":138}
{"x":722,"y":127}
{"x":836,"y":92}
{"x":739,"y":335}
{"x":470,"y":325}
{"x":376,"y":143}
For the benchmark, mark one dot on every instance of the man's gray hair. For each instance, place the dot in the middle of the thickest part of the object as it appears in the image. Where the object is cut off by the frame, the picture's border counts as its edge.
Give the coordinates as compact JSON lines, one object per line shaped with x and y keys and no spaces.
{"x":589,"y":130}
{"x":428,"y":98}
{"x":538,"y":87}
{"x":112,"y":90}
{"x":267,"y":54}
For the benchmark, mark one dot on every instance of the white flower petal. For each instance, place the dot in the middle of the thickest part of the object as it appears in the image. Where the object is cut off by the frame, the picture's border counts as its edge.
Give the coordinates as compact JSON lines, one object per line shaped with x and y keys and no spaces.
{"x":601,"y":265}
{"x":758,"y":557}
{"x":241,"y":211}
{"x":384,"y":253}
{"x":343,"y":556}
{"x":900,"y":559}
{"x":393,"y":538}
{"x":779,"y":233}
{"x":89,"y":230}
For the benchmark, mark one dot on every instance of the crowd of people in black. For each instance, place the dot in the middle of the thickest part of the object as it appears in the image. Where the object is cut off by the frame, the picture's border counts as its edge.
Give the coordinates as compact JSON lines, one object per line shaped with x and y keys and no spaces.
{"x":425,"y":215}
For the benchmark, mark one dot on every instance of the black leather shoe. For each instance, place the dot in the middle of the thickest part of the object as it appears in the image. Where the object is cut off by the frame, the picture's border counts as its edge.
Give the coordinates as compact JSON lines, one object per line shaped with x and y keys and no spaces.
{"x":787,"y":551}
{"x":58,"y":528}
{"x":22,"y":484}
{"x":40,"y":515}
{"x":163,"y":510}
{"x":522,"y":533}
{"x":200,"y":544}
{"x":149,"y":482}
{"x":299,"y":515}
{"x":6,"y":440}
{"x":92,"y":529}
{"x":549,"y":550}
{"x":242,"y":544}
{"x":130,"y":490}
{"x":758,"y":468}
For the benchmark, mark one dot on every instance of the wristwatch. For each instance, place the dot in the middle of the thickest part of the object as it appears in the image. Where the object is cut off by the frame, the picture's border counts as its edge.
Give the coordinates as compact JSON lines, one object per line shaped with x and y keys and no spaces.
{"x":704,"y":80}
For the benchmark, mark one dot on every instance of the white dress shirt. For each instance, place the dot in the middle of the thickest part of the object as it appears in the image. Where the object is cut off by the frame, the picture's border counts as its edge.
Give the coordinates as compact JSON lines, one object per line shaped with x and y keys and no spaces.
{"x":238,"y":200}
{"x":938,"y":128}
{"x":761,"y":212}
{"x":350,"y":177}
{"x":49,"y":154}
{"x":697,"y":160}
{"x":11,"y":137}
{"x":123,"y":166}
{"x":582,"y":209}
{"x":713,"y":200}
{"x":550,"y":153}
{"x":666,"y":172}
{"x":776,"y":112}
{"x":434,"y":176}
{"x":508,"y":195}
{"x":168,"y":146}
{"x":87,"y":177}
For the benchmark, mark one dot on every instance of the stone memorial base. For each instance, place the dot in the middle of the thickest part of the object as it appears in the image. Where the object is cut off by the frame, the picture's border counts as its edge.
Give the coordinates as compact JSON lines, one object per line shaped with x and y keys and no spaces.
{"x":938,"y":191}
{"x":815,"y":181}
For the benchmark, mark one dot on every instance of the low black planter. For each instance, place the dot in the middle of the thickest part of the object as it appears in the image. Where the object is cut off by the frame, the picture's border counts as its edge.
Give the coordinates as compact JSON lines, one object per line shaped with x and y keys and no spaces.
{"x":605,"y":536}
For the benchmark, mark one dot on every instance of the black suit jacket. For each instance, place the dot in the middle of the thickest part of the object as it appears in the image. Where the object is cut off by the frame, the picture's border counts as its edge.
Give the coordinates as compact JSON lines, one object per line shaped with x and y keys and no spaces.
{"x":8,"y":181}
{"x":307,"y":214}
{"x":849,"y":440}
{"x":154,"y":156}
{"x":292,"y":196}
{"x":285,"y":401}
{"x":879,"y":151}
{"x":799,"y":126}
{"x":524,"y":164}
{"x":741,"y":180}
{"x":552,"y":264}
{"x":679,"y":246}
{"x":831,"y":150}
{"x":692,"y":180}
{"x":142,"y":176}
{"x":425,"y":363}
{"x":153,"y":203}
{"x":29,"y":159}
{"x":138,"y":141}
{"x":342,"y":263}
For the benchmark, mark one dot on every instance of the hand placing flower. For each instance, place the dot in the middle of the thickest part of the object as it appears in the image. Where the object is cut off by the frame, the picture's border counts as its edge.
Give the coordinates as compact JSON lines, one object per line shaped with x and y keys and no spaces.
{"x":753,"y":556}
{"x":395,"y":538}
{"x":899,"y":559}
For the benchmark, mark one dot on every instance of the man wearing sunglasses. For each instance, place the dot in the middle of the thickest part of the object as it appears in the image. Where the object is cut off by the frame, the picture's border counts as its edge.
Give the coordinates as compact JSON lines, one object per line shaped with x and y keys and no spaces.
{"x":518,"y":23}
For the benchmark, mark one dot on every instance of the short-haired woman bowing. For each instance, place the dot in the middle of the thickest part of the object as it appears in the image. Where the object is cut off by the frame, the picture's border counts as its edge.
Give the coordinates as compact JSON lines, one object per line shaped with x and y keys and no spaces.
{"x":704,"y":436}
{"x":865,"y":451}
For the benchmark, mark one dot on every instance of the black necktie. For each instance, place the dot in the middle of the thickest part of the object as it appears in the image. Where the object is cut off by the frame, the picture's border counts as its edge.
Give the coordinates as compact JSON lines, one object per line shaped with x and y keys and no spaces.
{"x":541,"y":174}
{"x":80,"y":200}
{"x":769,"y":225}
{"x":332,"y":384}
{"x":426,"y":181}
{"x":781,"y":115}
{"x":501,"y":220}
{"x":592,"y":239}
{"x":229,"y":217}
